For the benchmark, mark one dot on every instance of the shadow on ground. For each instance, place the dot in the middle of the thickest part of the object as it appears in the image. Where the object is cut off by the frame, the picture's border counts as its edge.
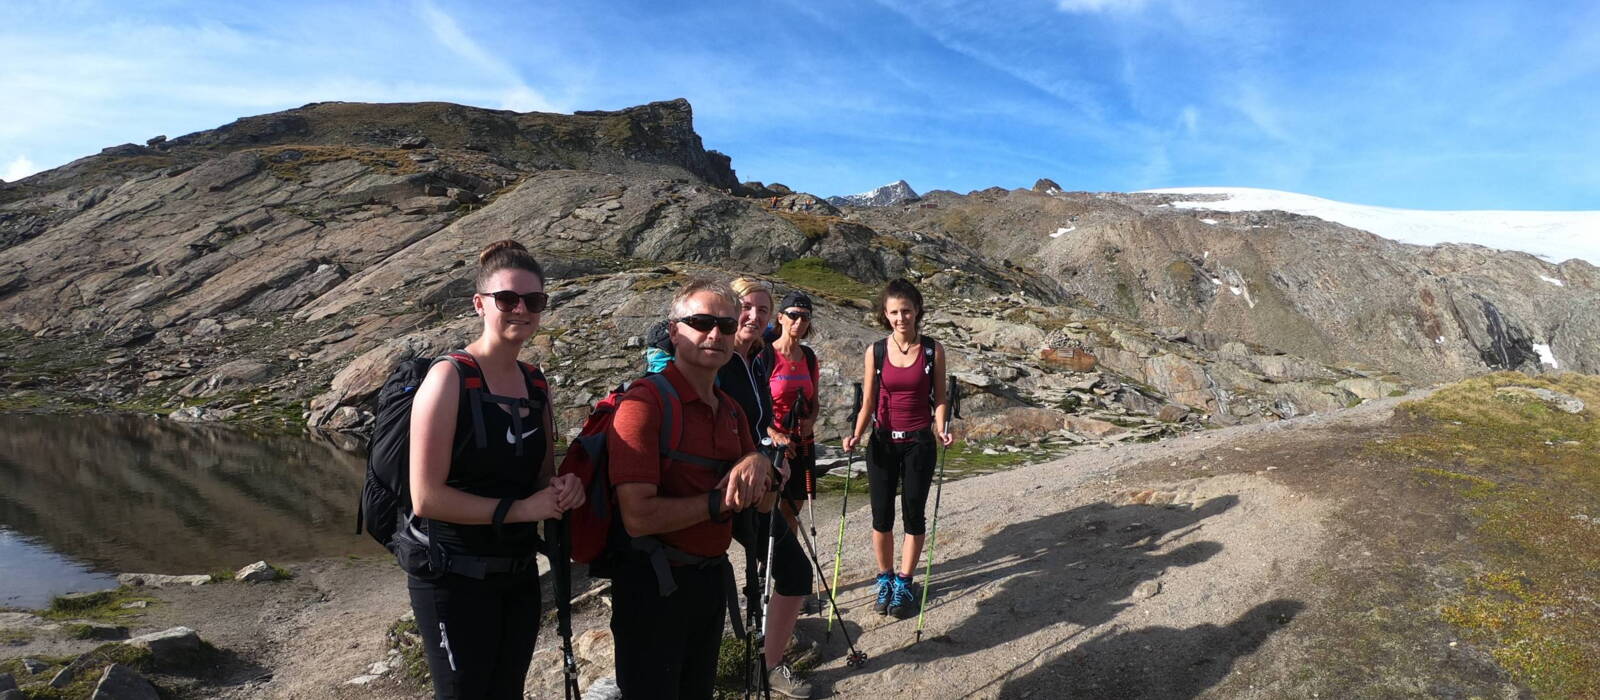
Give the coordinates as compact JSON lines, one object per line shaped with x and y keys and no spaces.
{"x":1079,"y":568}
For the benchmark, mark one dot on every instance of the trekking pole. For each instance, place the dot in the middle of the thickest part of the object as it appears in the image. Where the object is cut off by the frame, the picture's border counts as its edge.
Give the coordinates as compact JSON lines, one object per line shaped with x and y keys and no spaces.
{"x":856,"y":656}
{"x":953,"y":396}
{"x":561,"y":566}
{"x":844,"y":507}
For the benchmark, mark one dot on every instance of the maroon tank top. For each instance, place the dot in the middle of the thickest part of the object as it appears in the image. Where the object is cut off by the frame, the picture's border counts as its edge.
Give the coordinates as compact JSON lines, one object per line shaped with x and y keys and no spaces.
{"x":903,"y":392}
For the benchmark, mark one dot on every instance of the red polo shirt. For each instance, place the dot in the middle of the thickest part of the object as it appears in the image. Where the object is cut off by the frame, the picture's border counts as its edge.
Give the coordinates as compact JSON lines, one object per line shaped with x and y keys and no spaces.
{"x":635,"y":453}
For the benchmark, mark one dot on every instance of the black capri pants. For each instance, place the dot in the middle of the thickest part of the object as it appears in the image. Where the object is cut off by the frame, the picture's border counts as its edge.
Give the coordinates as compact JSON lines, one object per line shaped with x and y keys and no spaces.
{"x":791,"y":570}
{"x":904,"y":466}
{"x":477,"y":634}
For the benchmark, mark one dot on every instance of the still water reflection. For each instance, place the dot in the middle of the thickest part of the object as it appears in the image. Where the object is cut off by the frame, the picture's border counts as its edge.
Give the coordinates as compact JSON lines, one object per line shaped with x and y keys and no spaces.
{"x":82,"y":496}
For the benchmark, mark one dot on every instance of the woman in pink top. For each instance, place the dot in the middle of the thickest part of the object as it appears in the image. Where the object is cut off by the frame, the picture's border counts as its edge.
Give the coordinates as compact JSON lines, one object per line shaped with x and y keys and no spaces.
{"x":903,"y":400}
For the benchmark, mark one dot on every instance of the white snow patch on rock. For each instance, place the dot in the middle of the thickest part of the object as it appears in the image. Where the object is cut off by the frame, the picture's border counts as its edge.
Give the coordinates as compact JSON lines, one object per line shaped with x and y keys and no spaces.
{"x":1545,"y":356}
{"x":1211,"y":222}
{"x":1553,"y":281}
{"x":1063,"y":231}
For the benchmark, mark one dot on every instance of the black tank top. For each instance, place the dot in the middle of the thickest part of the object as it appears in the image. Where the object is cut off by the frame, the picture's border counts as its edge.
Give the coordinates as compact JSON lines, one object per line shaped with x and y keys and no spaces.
{"x":494,"y":471}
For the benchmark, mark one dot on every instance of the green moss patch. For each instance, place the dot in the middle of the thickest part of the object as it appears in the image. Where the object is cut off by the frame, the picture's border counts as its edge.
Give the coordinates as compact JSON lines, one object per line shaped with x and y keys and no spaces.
{"x":1528,"y":477}
{"x":404,"y":637}
{"x":101,"y":606}
{"x":814,"y":275}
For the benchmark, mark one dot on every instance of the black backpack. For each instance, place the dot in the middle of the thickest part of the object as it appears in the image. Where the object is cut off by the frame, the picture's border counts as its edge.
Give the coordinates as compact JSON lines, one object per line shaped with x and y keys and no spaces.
{"x":385,"y":497}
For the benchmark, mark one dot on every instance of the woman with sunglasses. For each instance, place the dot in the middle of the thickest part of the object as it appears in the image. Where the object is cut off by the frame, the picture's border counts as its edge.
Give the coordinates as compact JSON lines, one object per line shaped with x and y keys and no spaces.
{"x":477,"y":507}
{"x":903,"y":400}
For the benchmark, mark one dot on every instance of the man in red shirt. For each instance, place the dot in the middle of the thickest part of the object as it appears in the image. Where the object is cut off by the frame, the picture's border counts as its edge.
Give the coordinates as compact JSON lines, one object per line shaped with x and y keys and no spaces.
{"x":668,"y":632}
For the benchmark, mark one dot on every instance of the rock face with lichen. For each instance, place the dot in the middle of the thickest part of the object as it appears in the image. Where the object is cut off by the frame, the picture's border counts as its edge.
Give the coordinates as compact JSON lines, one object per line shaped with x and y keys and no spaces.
{"x":275,"y":269}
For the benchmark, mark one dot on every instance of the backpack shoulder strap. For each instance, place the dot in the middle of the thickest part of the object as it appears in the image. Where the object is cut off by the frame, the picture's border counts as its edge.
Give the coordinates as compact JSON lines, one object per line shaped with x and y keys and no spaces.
{"x":672,"y":426}
{"x":880,"y":350}
{"x":472,"y":387}
{"x":811,"y":358}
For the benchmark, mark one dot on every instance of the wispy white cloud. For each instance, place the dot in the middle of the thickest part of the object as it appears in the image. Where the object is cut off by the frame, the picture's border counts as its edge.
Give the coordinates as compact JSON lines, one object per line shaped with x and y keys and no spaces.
{"x":518,"y":95}
{"x":19,"y":167}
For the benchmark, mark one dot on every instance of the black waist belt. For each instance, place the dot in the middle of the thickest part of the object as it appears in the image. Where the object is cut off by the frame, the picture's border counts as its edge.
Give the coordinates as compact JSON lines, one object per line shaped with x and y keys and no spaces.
{"x":480,"y":567}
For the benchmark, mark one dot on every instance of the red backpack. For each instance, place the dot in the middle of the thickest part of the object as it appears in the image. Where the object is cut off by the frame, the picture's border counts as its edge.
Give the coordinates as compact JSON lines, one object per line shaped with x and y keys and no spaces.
{"x":596,"y":528}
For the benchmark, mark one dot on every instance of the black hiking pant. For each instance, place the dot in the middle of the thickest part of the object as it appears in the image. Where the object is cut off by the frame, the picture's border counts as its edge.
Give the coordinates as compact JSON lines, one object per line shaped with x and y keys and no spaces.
{"x":667,"y":646}
{"x":905,"y":466}
{"x":478,"y":634}
{"x":791,"y":569}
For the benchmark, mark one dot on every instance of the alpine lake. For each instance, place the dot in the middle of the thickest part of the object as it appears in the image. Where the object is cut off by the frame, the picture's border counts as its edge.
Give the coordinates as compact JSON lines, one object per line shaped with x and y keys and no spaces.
{"x":85,"y":497}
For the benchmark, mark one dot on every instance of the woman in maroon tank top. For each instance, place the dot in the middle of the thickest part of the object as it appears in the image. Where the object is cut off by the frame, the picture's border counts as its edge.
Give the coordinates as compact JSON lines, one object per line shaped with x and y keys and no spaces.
{"x":903,"y":402}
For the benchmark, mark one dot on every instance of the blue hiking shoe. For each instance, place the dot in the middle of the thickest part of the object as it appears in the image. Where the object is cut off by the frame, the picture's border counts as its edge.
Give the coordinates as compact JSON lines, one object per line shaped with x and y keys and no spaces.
{"x":885,"y":586}
{"x":902,"y":598}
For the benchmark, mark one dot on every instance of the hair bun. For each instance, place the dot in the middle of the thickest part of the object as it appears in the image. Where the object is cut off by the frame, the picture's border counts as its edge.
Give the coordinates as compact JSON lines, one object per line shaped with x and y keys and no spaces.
{"x":497,"y":246}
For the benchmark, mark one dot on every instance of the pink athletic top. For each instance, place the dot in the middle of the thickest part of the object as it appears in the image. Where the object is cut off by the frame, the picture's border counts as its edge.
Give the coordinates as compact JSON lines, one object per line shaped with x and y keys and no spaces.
{"x":790,"y":379}
{"x":903,"y":397}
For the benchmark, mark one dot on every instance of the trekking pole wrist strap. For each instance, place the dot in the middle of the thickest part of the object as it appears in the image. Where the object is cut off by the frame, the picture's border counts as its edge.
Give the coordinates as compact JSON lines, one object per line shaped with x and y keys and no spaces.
{"x":714,"y":506}
{"x":500,"y":511}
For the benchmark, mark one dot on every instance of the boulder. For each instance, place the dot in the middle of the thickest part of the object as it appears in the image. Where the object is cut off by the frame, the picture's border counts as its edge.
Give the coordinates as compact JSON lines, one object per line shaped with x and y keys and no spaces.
{"x":1084,"y":425}
{"x":1172,"y":413}
{"x":171,"y":645}
{"x":7,"y":682}
{"x":1021,"y":421}
{"x":19,"y":695}
{"x":1368,"y":388}
{"x":257,"y":573}
{"x":122,"y":683}
{"x":161,"y":580}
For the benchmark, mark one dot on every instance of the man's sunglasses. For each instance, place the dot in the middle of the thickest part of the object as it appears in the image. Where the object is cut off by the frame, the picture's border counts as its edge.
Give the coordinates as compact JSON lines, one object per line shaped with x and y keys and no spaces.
{"x":705,"y":322}
{"x":798,"y":315}
{"x":506,"y":300}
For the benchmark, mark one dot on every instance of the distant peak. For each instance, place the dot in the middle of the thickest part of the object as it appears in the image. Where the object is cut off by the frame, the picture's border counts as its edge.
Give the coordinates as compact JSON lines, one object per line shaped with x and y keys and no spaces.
{"x":896,"y":192}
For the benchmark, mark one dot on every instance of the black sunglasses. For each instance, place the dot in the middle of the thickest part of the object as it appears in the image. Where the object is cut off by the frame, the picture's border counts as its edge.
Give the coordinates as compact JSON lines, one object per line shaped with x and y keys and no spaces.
{"x":705,"y":322}
{"x":798,"y":315}
{"x":506,"y":300}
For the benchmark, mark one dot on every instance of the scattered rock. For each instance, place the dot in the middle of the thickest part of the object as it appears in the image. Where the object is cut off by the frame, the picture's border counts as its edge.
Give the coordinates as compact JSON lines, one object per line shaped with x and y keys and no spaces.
{"x":257,"y":573}
{"x":175,"y":644}
{"x":122,"y":683}
{"x":35,"y":666}
{"x":1148,"y":589}
{"x":199,"y":414}
{"x":160,"y":580}
{"x":136,"y":605}
{"x":411,"y":142}
{"x":7,"y":682}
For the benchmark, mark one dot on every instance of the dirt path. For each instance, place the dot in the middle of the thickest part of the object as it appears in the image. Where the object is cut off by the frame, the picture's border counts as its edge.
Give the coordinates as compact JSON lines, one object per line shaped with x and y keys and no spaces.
{"x":1172,"y":569}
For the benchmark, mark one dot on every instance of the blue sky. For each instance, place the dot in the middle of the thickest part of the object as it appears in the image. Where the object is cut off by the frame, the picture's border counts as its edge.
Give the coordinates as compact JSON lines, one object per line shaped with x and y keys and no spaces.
{"x":1421,"y":104}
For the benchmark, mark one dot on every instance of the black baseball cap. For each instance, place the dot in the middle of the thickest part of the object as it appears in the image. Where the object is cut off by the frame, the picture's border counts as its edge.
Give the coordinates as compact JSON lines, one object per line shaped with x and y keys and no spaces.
{"x":795,"y":299}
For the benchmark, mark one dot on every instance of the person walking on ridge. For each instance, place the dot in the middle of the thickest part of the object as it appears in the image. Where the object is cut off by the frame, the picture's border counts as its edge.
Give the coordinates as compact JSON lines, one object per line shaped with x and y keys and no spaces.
{"x":905,"y":407}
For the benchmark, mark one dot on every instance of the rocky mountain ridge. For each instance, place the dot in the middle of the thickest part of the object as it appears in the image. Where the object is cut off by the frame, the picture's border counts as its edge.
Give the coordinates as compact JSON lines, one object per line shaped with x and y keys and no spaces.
{"x":275,"y":269}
